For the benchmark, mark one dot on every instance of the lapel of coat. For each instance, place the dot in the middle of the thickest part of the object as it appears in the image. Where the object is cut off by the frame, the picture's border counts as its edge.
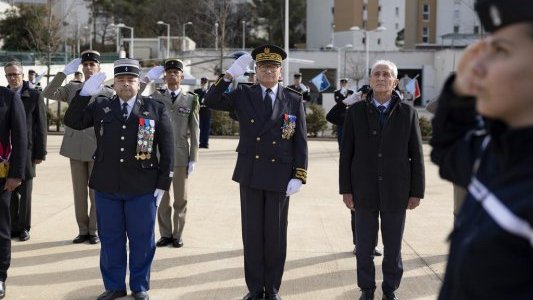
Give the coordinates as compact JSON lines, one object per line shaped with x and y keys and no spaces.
{"x":256,"y":98}
{"x":280,"y":106}
{"x":137,"y":111}
{"x":116,"y":108}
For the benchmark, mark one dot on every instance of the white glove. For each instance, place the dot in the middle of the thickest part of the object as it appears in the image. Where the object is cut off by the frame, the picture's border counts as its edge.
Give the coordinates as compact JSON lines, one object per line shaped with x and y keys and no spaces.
{"x":240,"y":65}
{"x":351,"y":99}
{"x":38,"y":78}
{"x":72,"y":66}
{"x":190,"y":167}
{"x":158,"y":194}
{"x":154,"y":73}
{"x":294,"y":186}
{"x":93,"y":85}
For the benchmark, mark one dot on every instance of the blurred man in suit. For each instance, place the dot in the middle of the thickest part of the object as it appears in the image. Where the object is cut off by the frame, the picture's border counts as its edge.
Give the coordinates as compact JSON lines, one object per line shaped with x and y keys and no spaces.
{"x":205,"y":114}
{"x":79,"y":145}
{"x":271,"y":163}
{"x":36,"y":126}
{"x":132,"y":170}
{"x":13,"y":156}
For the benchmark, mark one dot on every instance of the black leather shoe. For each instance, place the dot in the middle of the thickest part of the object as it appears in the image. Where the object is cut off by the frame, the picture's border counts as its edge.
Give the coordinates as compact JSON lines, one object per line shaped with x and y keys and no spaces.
{"x":367,"y":295}
{"x":177,"y":243}
{"x":274,"y":296}
{"x":111,"y":295}
{"x":24,"y":236}
{"x":140,"y":295}
{"x":2,"y":289}
{"x":253,"y":296}
{"x":377,"y":252}
{"x":390,"y":296}
{"x":163,"y":241}
{"x":80,"y":239}
{"x":93,"y":239}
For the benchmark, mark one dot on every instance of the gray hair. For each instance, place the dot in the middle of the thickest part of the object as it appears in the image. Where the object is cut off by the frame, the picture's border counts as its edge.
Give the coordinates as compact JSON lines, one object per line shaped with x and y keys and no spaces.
{"x":388,"y":63}
{"x":13,"y":63}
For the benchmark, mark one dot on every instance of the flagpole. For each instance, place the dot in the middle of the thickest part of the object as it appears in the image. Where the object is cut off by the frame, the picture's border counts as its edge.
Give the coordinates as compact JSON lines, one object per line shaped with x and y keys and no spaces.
{"x":286,"y":38}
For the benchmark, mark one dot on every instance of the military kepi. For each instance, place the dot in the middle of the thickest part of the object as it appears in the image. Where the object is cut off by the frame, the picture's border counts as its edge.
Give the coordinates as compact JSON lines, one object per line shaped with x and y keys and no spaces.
{"x":173,"y":63}
{"x":270,"y":53}
{"x":495,"y":14}
{"x":90,"y":55}
{"x":127,"y":66}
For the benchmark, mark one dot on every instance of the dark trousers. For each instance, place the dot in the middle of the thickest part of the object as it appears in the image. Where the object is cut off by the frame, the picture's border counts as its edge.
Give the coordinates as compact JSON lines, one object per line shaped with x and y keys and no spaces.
{"x":366,"y":227}
{"x":264,"y":236}
{"x":120,"y":217}
{"x":205,"y":126}
{"x":21,"y":206}
{"x":5,"y":231}
{"x":339,"y":135}
{"x":354,"y":233}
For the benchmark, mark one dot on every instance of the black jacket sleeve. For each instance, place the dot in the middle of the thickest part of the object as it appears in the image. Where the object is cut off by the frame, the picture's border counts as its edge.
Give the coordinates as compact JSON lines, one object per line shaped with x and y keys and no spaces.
{"x":417,"y":159}
{"x":79,"y":114}
{"x":216,"y":98}
{"x":166,"y":151}
{"x":40,"y":129}
{"x":19,"y":139}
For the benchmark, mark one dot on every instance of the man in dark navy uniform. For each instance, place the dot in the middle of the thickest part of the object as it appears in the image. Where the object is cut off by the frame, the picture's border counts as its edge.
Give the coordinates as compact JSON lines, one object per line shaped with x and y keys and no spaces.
{"x":13,"y":154}
{"x":271,"y":163}
{"x":205,"y":114}
{"x":128,"y":177}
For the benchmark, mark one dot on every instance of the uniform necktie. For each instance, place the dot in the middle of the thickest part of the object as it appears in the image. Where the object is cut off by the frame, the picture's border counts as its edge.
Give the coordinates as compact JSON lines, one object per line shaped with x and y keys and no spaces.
{"x":124,"y":111}
{"x":267,"y":102}
{"x":173,"y":96}
{"x":381,"y":109}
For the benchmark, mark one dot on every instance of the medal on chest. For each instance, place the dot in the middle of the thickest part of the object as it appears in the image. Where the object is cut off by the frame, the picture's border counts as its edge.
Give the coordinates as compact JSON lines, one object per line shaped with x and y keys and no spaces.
{"x":288,"y":127}
{"x":145,"y":139}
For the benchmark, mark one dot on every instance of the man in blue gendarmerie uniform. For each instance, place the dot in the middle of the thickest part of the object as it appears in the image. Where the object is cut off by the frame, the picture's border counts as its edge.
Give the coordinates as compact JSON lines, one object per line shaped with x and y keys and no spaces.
{"x":271,"y":162}
{"x":128,"y":177}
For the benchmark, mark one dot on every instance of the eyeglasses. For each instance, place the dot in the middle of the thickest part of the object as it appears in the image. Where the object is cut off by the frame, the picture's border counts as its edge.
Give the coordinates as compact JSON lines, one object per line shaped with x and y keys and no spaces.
{"x":13,"y":74}
{"x":268,"y":67}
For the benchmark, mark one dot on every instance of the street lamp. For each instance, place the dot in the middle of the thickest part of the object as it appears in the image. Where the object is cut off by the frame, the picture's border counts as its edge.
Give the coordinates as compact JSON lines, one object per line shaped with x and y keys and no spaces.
{"x":216,"y":35}
{"x":367,"y":44}
{"x":183,"y":36}
{"x":243,"y":34}
{"x":168,"y":36}
{"x":339,"y":59}
{"x":131,"y":37}
{"x":90,"y":31}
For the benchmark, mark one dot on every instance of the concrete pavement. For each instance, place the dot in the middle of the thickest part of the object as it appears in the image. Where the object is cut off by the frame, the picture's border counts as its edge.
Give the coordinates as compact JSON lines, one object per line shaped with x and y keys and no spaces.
{"x":319,"y":265}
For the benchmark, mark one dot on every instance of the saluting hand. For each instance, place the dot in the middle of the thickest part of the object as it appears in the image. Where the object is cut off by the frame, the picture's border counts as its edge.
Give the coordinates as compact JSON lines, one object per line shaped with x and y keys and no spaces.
{"x":154,"y":74}
{"x":240,"y":65}
{"x":93,"y":85}
{"x":72,"y":66}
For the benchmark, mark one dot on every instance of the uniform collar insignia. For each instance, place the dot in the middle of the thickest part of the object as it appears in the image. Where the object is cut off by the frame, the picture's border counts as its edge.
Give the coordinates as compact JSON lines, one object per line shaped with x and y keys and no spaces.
{"x":106,"y":110}
{"x":146,"y":113}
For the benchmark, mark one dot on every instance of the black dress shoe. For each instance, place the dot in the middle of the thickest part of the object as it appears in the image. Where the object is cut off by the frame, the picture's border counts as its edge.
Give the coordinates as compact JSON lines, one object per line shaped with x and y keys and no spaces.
{"x":24,"y":236}
{"x":163,"y":241}
{"x":140,"y":295}
{"x":367,"y":295}
{"x":253,"y":296}
{"x":274,"y":296}
{"x":93,"y":239}
{"x":2,"y":289}
{"x":111,"y":295}
{"x":80,"y":239}
{"x":390,"y":296}
{"x":177,"y":243}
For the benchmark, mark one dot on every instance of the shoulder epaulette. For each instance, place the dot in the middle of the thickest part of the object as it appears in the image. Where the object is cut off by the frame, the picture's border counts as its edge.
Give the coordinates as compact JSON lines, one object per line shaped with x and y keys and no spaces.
{"x":293,"y":90}
{"x":192,"y":93}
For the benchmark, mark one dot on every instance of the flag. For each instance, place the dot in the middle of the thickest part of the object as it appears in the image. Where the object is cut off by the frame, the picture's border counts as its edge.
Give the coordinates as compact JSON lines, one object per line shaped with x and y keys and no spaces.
{"x":321,"y":81}
{"x":413,"y":88}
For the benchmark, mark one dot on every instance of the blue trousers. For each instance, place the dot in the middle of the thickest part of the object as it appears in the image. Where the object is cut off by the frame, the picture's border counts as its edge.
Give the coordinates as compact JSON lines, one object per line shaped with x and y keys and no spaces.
{"x":120,"y":217}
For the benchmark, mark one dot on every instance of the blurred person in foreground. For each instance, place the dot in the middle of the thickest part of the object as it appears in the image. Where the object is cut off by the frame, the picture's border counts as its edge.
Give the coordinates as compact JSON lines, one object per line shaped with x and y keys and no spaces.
{"x":491,"y":245}
{"x":132,"y":171}
{"x":271,"y":163}
{"x":381,"y":175}
{"x":13,"y":157}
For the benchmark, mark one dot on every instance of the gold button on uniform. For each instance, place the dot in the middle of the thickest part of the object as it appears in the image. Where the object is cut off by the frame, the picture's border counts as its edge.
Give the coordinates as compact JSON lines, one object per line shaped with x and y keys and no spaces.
{"x":123,"y":126}
{"x":258,"y":139}
{"x":274,"y":142}
{"x":252,"y":120}
{"x":273,"y":160}
{"x":122,"y":138}
{"x":257,"y":157}
{"x":121,"y":160}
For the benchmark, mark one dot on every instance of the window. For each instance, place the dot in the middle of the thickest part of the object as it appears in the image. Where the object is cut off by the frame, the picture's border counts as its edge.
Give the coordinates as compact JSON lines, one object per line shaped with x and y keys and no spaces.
{"x":455,"y":28}
{"x":457,"y":14}
{"x":476,"y":29}
{"x":424,"y":39}
{"x":425,"y":34}
{"x":424,"y":31}
{"x":379,"y":41}
{"x":364,"y":7}
{"x":397,"y":11}
{"x":396,"y":26}
{"x":425,"y":12}
{"x":379,"y":24}
{"x":379,"y":8}
{"x":364,"y":24}
{"x":363,"y":41}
